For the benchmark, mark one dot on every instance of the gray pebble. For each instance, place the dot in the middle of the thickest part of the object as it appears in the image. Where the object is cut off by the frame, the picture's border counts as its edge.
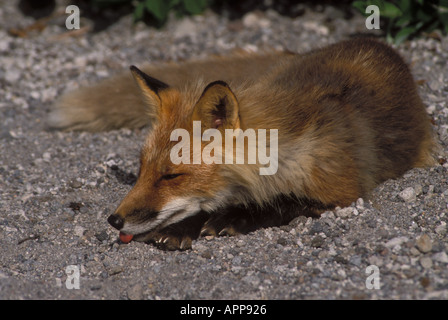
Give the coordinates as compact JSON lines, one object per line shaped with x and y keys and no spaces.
{"x":317,"y":242}
{"x":135,"y":292}
{"x":435,"y":85}
{"x":441,"y":229}
{"x":424,"y":243}
{"x":441,"y":257}
{"x":426,"y":262}
{"x":102,"y":236}
{"x":75,"y":184}
{"x":345,"y":212}
{"x":408,"y":195}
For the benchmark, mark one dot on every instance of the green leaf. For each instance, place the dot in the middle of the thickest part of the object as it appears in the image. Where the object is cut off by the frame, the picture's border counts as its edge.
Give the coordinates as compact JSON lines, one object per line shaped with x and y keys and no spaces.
{"x":404,"y":20}
{"x":195,"y":6}
{"x":390,"y":11}
{"x":403,"y":34}
{"x":174,"y":3}
{"x":139,"y":11}
{"x":158,"y":8}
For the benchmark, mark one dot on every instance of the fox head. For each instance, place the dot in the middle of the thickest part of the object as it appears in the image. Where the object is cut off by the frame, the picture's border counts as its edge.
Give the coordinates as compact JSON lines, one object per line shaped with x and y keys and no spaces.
{"x":166,"y":193}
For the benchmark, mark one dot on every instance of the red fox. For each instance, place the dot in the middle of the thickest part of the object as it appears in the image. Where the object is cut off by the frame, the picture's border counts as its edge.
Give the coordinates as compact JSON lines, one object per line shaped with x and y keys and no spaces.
{"x":347,"y":118}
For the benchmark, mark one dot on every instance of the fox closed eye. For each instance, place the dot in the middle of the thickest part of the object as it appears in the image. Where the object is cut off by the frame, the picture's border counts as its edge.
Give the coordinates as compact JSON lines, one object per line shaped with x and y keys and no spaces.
{"x":171,"y":176}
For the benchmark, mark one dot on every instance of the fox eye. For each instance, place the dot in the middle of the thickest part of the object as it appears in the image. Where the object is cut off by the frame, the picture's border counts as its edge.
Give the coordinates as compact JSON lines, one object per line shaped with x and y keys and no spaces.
{"x":171,"y":176}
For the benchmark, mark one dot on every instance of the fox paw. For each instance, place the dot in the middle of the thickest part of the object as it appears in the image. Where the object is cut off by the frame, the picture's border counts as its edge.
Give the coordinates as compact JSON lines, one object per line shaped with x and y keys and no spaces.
{"x":226,"y":225}
{"x":178,"y":236}
{"x":209,"y":230}
{"x":170,"y":242}
{"x":235,"y":220}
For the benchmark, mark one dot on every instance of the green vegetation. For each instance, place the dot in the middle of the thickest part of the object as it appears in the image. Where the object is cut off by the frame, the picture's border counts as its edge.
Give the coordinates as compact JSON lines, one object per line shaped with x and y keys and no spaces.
{"x":401,"y":19}
{"x":159,"y":9}
{"x":404,"y":19}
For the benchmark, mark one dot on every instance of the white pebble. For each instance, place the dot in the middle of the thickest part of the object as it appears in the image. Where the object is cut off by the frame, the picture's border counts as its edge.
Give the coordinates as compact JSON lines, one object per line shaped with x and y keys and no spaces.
{"x":79,"y":231}
{"x":345,"y":212}
{"x":426,"y":262}
{"x":441,"y":257}
{"x":46,"y":156}
{"x":408,"y":195}
{"x":396,"y":241}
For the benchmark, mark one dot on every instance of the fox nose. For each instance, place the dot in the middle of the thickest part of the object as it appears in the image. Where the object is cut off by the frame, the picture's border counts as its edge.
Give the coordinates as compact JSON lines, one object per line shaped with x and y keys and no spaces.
{"x":116,"y":221}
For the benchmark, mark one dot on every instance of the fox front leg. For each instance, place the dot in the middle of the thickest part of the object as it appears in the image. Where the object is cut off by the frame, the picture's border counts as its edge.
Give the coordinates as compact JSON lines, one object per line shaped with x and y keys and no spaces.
{"x":178,"y":236}
{"x":243,"y":219}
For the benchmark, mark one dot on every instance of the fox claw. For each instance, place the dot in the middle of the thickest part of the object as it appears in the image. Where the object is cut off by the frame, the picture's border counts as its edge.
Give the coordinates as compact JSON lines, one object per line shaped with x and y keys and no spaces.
{"x":207,"y":231}
{"x":185,"y":244}
{"x":228,"y":231}
{"x":212,"y":232}
{"x":171,"y":243}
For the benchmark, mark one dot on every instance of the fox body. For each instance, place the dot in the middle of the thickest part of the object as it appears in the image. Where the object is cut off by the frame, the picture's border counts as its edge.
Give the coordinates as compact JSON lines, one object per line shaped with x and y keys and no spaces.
{"x":348,"y":117}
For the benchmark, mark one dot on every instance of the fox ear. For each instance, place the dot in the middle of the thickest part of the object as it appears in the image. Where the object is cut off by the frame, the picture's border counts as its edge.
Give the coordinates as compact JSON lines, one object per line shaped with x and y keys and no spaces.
{"x":217,"y":107}
{"x":149,"y":86}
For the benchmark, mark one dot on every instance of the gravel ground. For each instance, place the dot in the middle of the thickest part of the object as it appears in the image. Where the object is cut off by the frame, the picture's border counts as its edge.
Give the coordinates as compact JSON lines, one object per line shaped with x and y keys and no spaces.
{"x":58,"y":188}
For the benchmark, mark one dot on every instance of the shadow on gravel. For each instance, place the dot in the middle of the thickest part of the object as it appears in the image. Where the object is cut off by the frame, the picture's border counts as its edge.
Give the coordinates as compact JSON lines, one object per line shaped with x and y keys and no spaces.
{"x":122,"y":176}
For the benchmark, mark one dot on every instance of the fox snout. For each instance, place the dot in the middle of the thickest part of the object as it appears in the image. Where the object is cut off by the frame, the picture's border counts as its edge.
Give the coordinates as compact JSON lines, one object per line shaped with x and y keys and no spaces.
{"x":134,"y":224}
{"x":139,"y":219}
{"x":116,"y":221}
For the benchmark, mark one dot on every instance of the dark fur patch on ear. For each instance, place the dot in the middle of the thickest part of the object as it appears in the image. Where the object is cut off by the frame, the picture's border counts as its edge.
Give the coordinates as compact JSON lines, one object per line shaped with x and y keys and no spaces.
{"x":154,"y":84}
{"x":220,"y":111}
